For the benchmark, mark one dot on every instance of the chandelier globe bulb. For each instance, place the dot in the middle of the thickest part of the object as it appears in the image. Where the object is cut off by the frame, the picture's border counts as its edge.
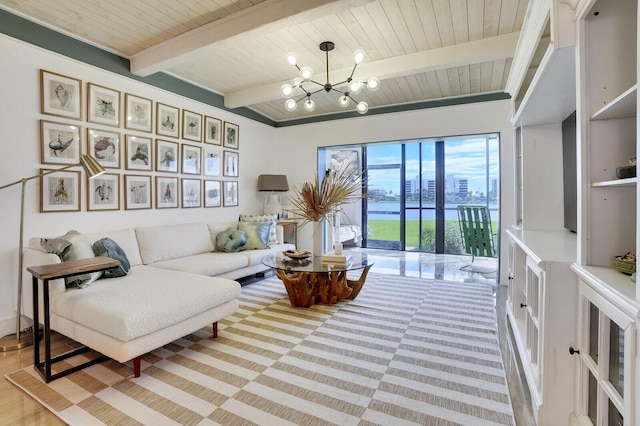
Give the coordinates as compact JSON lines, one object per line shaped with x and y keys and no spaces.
{"x":309,"y":105}
{"x":358,"y":56}
{"x":292,"y":59}
{"x":355,"y":86}
{"x":344,"y":101}
{"x":362,"y":107}
{"x":373,"y":84}
{"x":286,"y":90}
{"x":306,"y":73}
{"x":290,"y":105}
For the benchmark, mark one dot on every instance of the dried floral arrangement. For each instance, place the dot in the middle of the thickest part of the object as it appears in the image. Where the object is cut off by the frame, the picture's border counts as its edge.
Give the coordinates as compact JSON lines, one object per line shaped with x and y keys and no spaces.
{"x":313,"y":201}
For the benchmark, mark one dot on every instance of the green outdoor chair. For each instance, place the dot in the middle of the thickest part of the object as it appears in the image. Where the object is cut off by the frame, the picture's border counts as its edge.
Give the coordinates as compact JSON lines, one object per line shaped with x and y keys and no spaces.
{"x":476,"y":233}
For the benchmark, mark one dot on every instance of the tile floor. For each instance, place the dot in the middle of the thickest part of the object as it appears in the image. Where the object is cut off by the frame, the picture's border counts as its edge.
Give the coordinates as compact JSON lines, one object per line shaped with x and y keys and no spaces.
{"x":448,"y":268}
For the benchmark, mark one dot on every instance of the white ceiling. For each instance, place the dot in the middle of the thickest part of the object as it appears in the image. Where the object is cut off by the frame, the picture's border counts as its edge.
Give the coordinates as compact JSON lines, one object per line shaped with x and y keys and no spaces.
{"x":421,"y":50}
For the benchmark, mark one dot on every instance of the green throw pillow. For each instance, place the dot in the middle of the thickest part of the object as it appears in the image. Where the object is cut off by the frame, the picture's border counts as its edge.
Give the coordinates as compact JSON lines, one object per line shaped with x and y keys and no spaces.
{"x":257,"y":234}
{"x":231,"y":240}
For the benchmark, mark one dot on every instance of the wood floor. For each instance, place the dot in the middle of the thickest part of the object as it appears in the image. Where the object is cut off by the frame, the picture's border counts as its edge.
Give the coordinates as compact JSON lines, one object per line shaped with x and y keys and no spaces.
{"x":16,"y":407}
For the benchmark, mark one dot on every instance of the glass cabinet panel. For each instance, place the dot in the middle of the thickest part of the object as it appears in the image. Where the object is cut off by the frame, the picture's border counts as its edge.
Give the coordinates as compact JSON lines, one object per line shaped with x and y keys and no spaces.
{"x":615,"y":418}
{"x":616,"y":357}
{"x":594,"y":316}
{"x":592,"y":407}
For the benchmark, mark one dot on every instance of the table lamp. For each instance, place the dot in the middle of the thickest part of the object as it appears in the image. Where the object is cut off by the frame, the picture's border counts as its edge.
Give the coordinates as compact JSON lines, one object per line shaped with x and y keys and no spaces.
{"x":272,"y":184}
{"x":93,"y":169}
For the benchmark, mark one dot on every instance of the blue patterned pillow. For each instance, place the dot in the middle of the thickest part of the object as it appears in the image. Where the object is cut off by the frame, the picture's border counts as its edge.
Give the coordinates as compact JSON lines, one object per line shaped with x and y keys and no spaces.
{"x":108,"y":247}
{"x":257,"y":234}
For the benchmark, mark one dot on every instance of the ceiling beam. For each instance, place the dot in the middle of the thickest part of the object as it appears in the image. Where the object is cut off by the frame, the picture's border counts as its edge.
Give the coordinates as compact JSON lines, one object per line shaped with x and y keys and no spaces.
{"x":473,"y":52}
{"x":253,"y":21}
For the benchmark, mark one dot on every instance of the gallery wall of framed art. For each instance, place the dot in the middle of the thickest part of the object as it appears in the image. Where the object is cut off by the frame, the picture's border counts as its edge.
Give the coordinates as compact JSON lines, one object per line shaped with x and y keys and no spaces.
{"x":157,"y":155}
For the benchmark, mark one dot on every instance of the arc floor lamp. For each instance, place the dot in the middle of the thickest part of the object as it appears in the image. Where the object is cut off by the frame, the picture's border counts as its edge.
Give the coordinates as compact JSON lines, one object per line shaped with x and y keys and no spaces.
{"x":20,"y":340}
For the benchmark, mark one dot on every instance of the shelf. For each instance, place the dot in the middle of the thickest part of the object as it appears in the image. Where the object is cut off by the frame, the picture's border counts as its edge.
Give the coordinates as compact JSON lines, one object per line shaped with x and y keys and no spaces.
{"x":611,"y":284}
{"x":616,"y":182}
{"x":624,"y":106}
{"x":546,"y":246}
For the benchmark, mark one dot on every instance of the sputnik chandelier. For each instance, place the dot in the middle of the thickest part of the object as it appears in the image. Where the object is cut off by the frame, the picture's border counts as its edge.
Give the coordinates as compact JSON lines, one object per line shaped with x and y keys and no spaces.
{"x":354,"y":86}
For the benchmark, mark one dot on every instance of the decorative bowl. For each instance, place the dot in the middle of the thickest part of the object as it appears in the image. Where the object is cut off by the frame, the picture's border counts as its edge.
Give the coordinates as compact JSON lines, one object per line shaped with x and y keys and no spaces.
{"x":626,"y":266}
{"x":297,"y":254}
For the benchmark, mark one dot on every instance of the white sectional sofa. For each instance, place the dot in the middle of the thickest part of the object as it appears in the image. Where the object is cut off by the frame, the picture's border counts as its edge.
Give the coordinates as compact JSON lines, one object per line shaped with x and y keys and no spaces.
{"x":178,"y":283}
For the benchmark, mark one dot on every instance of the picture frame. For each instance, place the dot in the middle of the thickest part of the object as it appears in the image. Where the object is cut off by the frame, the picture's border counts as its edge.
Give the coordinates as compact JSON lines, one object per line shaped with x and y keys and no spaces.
{"x":231,"y":135}
{"x":212,"y":161}
{"x":212,"y":130}
{"x":60,"y":95}
{"x":167,"y":192}
{"x":138,"y":113}
{"x":103,"y":105}
{"x":104,"y":146}
{"x":59,"y":143}
{"x":191,"y":126}
{"x":138,"y":153}
{"x":59,"y":191}
{"x":137,"y":192}
{"x":230,"y":164}
{"x":212,"y":193}
{"x":167,"y":156}
{"x":103,"y":193}
{"x":167,"y":120}
{"x":230,"y":193}
{"x":191,"y":159}
{"x":191,"y":193}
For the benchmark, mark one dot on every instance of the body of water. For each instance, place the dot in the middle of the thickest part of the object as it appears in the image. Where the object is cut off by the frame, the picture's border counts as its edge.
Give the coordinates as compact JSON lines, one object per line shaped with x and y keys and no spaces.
{"x":389,"y":210}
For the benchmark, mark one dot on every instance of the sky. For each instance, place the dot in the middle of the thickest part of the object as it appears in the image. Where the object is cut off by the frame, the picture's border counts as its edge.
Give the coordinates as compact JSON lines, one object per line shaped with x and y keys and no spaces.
{"x":464,"y":158}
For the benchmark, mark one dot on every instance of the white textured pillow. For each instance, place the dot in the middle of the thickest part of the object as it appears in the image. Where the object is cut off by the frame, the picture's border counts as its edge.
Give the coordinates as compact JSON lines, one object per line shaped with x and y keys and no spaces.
{"x":263,"y":218}
{"x":72,"y":246}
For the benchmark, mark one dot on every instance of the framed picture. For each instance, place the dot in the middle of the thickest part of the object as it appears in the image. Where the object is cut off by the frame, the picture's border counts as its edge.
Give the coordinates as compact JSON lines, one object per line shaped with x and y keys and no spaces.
{"x":212,"y":161}
{"x":138,"y":112}
{"x":212,"y":130}
{"x":191,"y":126}
{"x":347,"y":159}
{"x":105,"y":147}
{"x":167,"y":120}
{"x":59,"y":191}
{"x":230,"y":164}
{"x":103,"y":105}
{"x":59,"y":143}
{"x":191,"y":193}
{"x":138,"y":153}
{"x":230,"y":193}
{"x":167,"y":192}
{"x":103,"y":193}
{"x":137,"y":192}
{"x":167,"y":156}
{"x":191,"y":159}
{"x":60,"y":95}
{"x":212,"y":193}
{"x":231,"y":135}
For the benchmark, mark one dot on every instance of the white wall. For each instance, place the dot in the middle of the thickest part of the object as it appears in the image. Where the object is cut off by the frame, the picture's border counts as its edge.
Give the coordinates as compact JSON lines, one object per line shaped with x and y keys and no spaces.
{"x":301,"y":142}
{"x":263,"y":149}
{"x":20,"y":157}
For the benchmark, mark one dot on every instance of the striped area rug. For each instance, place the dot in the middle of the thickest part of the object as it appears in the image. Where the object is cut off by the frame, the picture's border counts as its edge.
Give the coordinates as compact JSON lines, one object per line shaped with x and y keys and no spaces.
{"x":405,"y":351}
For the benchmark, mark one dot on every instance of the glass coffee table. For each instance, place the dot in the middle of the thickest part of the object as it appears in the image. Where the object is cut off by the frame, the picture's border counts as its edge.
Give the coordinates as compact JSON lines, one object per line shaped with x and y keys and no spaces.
{"x":308,"y":281}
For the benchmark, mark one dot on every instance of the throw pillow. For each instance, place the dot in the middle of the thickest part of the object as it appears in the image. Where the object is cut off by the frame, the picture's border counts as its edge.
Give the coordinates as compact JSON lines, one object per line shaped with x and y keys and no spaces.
{"x":271,"y":218}
{"x":72,"y":246}
{"x":231,"y":240}
{"x":108,"y":247}
{"x":257,"y":234}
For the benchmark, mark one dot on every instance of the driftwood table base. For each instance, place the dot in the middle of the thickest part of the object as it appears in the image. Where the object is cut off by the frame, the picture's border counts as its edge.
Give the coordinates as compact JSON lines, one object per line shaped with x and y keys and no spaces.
{"x":308,"y":288}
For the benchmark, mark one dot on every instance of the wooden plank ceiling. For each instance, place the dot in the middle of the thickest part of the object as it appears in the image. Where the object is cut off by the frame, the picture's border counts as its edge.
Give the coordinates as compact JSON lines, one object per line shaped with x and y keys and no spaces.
{"x":419,"y":49}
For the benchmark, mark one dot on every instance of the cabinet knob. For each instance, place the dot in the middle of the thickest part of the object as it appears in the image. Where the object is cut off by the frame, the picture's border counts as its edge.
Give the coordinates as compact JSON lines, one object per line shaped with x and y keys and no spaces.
{"x":522,"y":305}
{"x":573,"y":351}
{"x":510,"y":277}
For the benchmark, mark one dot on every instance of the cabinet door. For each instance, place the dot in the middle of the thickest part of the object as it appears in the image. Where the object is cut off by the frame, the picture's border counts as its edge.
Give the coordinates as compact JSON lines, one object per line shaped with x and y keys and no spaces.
{"x":535,"y":298}
{"x":605,"y":383}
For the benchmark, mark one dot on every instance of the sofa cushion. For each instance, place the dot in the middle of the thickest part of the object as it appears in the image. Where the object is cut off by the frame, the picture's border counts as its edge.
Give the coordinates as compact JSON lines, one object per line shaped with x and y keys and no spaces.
{"x":231,"y":241}
{"x":209,"y":264}
{"x":257,"y":234}
{"x":72,"y":246}
{"x":158,"y":243}
{"x":159,"y":299}
{"x":107,"y":247}
{"x":264,"y":218}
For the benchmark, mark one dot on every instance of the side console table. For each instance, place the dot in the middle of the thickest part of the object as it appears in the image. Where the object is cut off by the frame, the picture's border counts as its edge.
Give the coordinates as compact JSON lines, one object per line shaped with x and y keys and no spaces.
{"x":46,"y":273}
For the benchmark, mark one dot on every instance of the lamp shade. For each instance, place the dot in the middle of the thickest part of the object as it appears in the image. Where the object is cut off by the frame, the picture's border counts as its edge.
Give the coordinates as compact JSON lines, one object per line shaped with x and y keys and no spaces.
{"x":276,"y":183}
{"x":91,"y":166}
